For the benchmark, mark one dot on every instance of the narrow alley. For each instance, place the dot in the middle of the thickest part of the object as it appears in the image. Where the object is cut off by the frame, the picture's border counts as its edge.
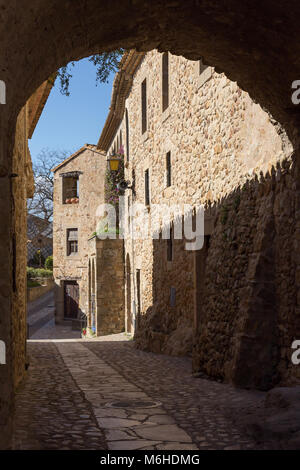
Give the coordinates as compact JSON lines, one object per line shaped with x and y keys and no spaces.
{"x":103,"y":393}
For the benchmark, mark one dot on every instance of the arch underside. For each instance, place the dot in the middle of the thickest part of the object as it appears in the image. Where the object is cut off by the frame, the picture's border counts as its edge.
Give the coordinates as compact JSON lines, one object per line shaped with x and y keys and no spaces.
{"x":254,"y":43}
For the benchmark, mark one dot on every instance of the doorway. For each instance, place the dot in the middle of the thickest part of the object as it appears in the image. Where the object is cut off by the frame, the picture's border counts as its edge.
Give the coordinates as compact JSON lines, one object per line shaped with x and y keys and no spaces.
{"x":128,"y":295}
{"x":71,"y":300}
{"x":200,"y":266}
{"x":138,"y":293}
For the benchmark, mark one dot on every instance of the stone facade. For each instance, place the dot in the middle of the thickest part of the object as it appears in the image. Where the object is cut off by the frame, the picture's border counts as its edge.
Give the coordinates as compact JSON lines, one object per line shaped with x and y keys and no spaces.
{"x":21,"y":187}
{"x":251,"y":45}
{"x":81,"y":215}
{"x":106,"y":286}
{"x":232,"y":304}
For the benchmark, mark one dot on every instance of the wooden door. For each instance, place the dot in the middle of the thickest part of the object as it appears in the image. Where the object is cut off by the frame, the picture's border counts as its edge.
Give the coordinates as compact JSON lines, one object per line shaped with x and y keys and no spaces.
{"x":71,"y":299}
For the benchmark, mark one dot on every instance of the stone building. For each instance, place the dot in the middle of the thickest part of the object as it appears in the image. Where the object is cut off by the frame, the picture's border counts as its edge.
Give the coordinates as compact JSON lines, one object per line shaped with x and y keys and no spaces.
{"x":250,"y":45}
{"x":191,"y":136}
{"x":88,"y":273}
{"x":78,"y":190}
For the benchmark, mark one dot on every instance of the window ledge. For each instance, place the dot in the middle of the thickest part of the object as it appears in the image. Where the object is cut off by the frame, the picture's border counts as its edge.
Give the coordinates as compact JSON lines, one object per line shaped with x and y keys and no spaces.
{"x":169,"y":265}
{"x":205,"y":76}
{"x":168,"y":191}
{"x":145,"y":136}
{"x":165,"y":114}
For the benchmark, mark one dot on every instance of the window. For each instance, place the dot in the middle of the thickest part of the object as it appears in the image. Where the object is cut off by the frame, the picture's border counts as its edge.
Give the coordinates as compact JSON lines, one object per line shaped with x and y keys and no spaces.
{"x":147,"y":188}
{"x":70,"y":188}
{"x":168,"y":169}
{"x":170,"y":246}
{"x":138,"y":288}
{"x":127,"y":135}
{"x":144,"y":106}
{"x":133,"y":184}
{"x":128,"y":212}
{"x":202,"y":66}
{"x":14,"y":263}
{"x":72,"y":241}
{"x":165,"y":81}
{"x":121,"y":140}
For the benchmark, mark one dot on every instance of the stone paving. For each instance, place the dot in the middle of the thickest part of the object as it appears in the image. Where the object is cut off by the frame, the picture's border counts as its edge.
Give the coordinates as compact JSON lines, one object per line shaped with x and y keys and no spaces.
{"x":212,"y":413}
{"x":133,"y":424}
{"x":105,"y":394}
{"x":51,"y":411}
{"x":40,"y":312}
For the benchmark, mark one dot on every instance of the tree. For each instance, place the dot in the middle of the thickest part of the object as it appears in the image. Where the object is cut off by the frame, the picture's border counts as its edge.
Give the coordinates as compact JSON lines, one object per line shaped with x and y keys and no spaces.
{"x":49,"y":263}
{"x":106,"y":63}
{"x":41,"y":204}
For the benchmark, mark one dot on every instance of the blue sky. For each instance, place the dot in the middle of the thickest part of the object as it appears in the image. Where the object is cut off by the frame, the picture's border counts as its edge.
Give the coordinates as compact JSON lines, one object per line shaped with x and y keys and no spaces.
{"x":69,"y":122}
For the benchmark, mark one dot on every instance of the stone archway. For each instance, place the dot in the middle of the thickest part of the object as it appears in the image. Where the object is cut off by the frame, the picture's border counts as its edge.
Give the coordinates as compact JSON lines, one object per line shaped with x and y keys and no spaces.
{"x":254,"y":43}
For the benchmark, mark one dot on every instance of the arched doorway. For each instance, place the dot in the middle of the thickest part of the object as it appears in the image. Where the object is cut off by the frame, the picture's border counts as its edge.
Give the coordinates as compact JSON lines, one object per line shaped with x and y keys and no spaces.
{"x":128,"y":296}
{"x":251,"y":44}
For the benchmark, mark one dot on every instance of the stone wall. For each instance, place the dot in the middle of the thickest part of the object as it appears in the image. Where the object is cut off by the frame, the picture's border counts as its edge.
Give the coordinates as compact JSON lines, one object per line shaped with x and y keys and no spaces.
{"x":107,"y":256}
{"x":250,"y":313}
{"x":34,"y":293}
{"x":223,"y":149}
{"x":82,"y":216}
{"x":22,"y":188}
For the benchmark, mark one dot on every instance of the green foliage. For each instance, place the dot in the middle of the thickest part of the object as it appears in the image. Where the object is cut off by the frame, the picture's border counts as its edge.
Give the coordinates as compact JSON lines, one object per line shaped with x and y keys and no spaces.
{"x":49,"y":263}
{"x":109,"y":230}
{"x":105,"y":63}
{"x":33,"y":273}
{"x":31,"y":283}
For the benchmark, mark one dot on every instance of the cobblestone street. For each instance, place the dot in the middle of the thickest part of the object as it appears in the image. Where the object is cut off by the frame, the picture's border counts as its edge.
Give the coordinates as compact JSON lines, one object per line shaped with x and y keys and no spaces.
{"x":105,"y":394}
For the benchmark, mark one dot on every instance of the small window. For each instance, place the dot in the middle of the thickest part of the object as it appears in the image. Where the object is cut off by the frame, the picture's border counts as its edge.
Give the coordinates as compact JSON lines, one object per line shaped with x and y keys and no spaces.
{"x":127,"y":135}
{"x":121,"y":140}
{"x":144,"y":106}
{"x":14,"y":263}
{"x":170,"y":246}
{"x":128,"y":211}
{"x":202,"y":66}
{"x":147,"y":188}
{"x":168,"y":169}
{"x":133,"y":184}
{"x":165,"y":81}
{"x":70,"y":189}
{"x":72,"y":241}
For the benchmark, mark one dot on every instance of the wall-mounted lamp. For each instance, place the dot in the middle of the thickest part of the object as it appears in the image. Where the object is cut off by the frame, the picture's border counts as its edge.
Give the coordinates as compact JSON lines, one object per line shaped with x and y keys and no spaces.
{"x":114,"y":162}
{"x":122,"y":185}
